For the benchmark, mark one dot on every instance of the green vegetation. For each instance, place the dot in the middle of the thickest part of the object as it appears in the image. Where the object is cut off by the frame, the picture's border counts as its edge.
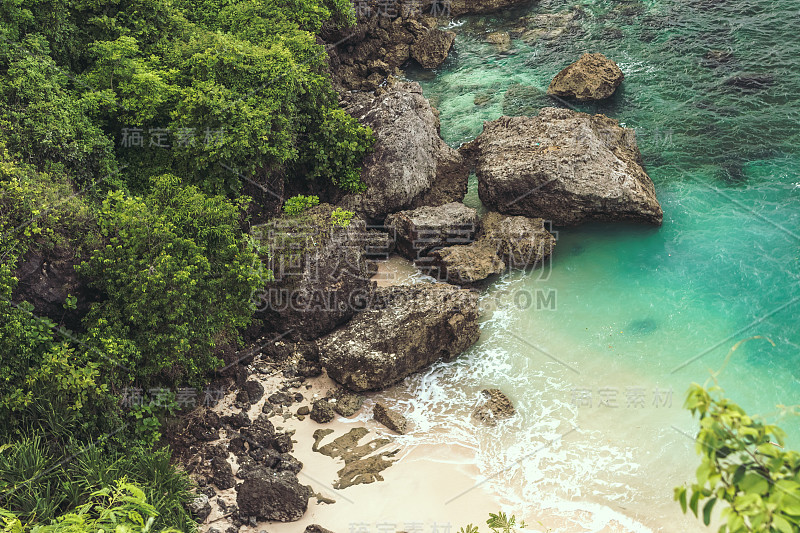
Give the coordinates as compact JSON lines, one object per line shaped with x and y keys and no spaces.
{"x":138,"y":488}
{"x":127,"y":130}
{"x":297,"y":204}
{"x":177,"y":273}
{"x":743,"y":466}
{"x":498,"y":523}
{"x":341,"y":218}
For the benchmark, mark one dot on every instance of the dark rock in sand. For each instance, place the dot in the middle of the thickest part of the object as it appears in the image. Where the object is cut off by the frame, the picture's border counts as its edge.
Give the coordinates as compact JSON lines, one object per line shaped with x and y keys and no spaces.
{"x":200,"y":508}
{"x":390,"y":418}
{"x":261,"y":433}
{"x":280,"y":398}
{"x":263,"y":456}
{"x":309,"y":369}
{"x":322,"y":411}
{"x":592,"y":77}
{"x":565,"y":167}
{"x":347,"y":404}
{"x":221,"y":473}
{"x":255,"y":391}
{"x":283,"y":443}
{"x":495,"y":406}
{"x":405,"y":329}
{"x":314,"y":528}
{"x":273,"y":495}
{"x":304,"y":410}
{"x":236,"y":445}
{"x":236,"y":420}
{"x":288,"y":463}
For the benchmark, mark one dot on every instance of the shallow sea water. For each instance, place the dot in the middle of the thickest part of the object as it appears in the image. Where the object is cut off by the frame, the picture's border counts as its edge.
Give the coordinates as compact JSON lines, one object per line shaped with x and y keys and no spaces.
{"x":628,"y":316}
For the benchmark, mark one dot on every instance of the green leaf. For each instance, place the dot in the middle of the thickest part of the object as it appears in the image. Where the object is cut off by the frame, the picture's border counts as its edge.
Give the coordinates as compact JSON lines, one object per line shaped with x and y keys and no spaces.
{"x":707,"y":510}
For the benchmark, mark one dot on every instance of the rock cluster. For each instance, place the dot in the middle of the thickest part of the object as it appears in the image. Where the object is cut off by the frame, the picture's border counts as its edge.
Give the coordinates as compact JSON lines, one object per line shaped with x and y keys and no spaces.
{"x":419,"y":231}
{"x":504,"y":242}
{"x":379,"y":45}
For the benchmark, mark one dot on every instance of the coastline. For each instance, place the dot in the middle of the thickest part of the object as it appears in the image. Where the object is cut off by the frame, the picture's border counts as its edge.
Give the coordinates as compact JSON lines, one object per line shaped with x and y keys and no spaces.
{"x":436,"y":481}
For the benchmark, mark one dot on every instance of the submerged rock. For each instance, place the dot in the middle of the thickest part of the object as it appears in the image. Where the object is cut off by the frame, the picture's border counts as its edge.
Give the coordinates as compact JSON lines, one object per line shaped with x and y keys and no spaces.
{"x":592,"y":77}
{"x":462,"y":7}
{"x":390,"y":418}
{"x":405,"y":329}
{"x":565,"y":167}
{"x":500,"y":39}
{"x":751,"y":82}
{"x":495,"y":406}
{"x":644,"y":326}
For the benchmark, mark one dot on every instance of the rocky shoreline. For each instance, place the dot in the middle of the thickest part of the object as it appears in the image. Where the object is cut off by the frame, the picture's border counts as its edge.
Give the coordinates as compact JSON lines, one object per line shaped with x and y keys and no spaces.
{"x":324,"y":317}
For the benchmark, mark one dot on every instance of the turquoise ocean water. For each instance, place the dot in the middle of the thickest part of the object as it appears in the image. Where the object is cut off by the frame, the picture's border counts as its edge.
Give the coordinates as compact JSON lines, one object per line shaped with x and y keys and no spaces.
{"x":640,"y":313}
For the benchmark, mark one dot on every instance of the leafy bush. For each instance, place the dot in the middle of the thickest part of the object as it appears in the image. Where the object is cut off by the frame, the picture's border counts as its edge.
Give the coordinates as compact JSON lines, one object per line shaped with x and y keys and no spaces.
{"x":744,"y":466}
{"x":341,"y":218}
{"x":297,"y":204}
{"x":177,"y":273}
{"x":123,"y":508}
{"x":42,"y":118}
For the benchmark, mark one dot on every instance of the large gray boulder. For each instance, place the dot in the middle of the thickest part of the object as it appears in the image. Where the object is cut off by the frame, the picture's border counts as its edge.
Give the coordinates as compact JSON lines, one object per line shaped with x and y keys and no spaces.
{"x":563,"y":166}
{"x":321,"y":273}
{"x":410,"y":164}
{"x":592,"y":77}
{"x":419,"y":231}
{"x":404,"y":330}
